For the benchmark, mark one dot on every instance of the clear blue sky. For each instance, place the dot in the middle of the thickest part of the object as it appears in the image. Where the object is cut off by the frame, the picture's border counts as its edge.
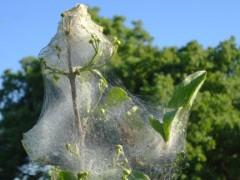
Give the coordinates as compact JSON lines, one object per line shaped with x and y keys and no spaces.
{"x":26,"y":26}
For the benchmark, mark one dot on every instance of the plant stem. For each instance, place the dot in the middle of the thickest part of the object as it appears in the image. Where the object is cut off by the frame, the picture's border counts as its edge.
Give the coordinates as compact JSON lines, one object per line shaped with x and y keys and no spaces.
{"x":80,"y":129}
{"x":72,"y":78}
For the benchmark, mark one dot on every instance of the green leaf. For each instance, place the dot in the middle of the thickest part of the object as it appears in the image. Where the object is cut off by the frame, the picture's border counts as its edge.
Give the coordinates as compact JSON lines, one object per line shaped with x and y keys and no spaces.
{"x":137,"y":175}
{"x":56,"y":77}
{"x":163,"y":128}
{"x":82,"y":176}
{"x":182,"y":100}
{"x":59,"y":174}
{"x":73,"y":149}
{"x":186,"y":92}
{"x":116,"y":95}
{"x":66,"y":175}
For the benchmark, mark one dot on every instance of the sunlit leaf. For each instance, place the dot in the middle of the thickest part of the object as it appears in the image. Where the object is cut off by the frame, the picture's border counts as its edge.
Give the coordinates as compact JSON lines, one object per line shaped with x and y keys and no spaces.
{"x":186,"y":92}
{"x":182,"y":100}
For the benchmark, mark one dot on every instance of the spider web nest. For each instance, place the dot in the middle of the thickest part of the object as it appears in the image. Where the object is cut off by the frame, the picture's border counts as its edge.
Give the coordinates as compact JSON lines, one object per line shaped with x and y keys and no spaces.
{"x":87,"y":123}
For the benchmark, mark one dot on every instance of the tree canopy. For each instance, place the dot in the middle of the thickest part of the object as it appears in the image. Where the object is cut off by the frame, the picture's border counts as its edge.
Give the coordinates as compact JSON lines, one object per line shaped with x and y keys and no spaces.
{"x":213,"y":146}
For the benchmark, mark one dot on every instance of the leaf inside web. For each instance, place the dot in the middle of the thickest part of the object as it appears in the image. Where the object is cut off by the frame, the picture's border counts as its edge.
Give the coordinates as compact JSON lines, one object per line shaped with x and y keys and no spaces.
{"x":181,"y":101}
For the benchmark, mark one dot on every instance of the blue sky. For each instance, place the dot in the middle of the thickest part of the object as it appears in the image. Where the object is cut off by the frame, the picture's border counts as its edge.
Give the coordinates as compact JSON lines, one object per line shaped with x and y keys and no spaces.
{"x":26,"y":26}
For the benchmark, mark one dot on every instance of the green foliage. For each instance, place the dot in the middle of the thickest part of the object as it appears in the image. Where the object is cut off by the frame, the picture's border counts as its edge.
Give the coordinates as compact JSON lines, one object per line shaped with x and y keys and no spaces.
{"x":213,"y":134}
{"x":57,"y":174}
{"x":21,"y":98}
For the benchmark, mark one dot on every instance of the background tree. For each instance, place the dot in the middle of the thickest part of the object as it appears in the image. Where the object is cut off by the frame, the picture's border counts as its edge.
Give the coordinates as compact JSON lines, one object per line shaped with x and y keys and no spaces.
{"x":213,"y":146}
{"x":21,"y":99}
